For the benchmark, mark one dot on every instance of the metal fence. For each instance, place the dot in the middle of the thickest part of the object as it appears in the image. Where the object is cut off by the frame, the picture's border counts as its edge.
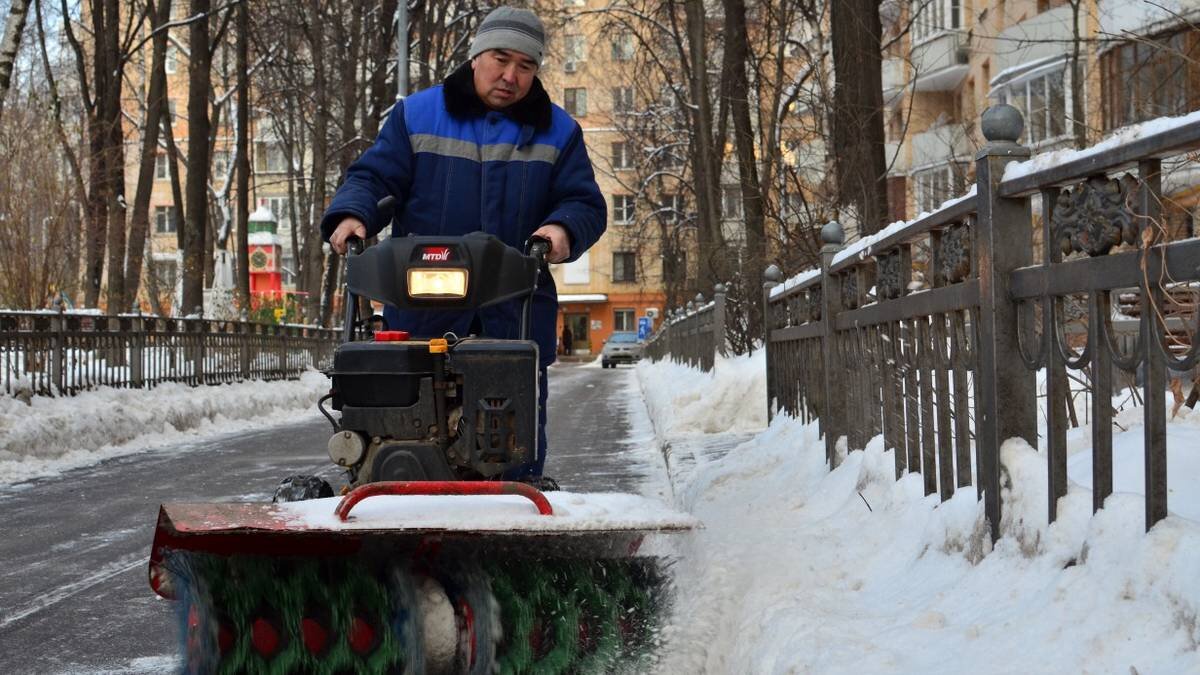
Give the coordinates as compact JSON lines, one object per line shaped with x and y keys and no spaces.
{"x":693,"y":335}
{"x":64,"y":353}
{"x":931,"y":333}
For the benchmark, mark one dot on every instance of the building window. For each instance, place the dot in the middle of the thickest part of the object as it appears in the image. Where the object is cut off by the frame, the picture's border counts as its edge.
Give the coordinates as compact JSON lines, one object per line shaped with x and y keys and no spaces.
{"x":165,"y":273}
{"x":279,"y":208}
{"x":622,"y":47}
{"x":575,"y":101}
{"x":1042,"y":100}
{"x":1151,"y":78}
{"x":165,"y":220}
{"x":620,"y":156}
{"x":269,"y":158}
{"x":574,"y":52}
{"x":624,"y":266}
{"x":622,"y":98}
{"x":935,"y":16}
{"x":624,"y":321}
{"x":935,"y":185}
{"x":220,"y":164}
{"x":791,"y":205}
{"x":731,"y":202}
{"x":672,"y":207}
{"x":287,"y":265}
{"x":622,"y":209}
{"x":161,"y":170}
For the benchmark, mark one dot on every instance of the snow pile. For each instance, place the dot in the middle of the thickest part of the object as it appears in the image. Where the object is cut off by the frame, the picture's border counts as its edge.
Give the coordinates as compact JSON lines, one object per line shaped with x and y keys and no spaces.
{"x":681,"y":398}
{"x":51,"y":435}
{"x":799,"y":569}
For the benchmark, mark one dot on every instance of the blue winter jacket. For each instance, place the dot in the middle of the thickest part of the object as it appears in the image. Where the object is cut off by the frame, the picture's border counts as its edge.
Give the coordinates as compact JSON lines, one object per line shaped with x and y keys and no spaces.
{"x":455,"y":167}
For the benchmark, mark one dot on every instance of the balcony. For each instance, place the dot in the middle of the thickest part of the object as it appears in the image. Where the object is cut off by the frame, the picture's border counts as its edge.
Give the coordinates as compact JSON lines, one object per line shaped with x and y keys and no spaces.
{"x":939,"y":145}
{"x":894,"y":79}
{"x":940,"y":62}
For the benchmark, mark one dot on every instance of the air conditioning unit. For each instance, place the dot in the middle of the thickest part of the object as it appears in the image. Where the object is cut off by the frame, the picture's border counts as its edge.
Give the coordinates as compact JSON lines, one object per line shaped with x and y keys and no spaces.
{"x":570,"y":67}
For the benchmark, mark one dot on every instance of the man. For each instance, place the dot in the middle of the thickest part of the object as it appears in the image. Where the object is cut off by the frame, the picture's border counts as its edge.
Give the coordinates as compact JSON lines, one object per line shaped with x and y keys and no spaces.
{"x":485,"y":150}
{"x":567,"y":339}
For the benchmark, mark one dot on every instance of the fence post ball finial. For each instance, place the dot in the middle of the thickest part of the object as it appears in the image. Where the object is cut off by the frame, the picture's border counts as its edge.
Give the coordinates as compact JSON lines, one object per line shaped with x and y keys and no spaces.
{"x":1002,"y":123}
{"x":699,"y":299}
{"x":832,"y":233}
{"x":773,"y":274}
{"x":719,"y":288}
{"x":691,"y":305}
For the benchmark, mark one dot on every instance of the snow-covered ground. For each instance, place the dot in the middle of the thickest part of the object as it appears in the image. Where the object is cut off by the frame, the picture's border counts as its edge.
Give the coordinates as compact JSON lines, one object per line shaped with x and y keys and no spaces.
{"x":802,"y":570}
{"x":50,"y":435}
{"x":798,"y":569}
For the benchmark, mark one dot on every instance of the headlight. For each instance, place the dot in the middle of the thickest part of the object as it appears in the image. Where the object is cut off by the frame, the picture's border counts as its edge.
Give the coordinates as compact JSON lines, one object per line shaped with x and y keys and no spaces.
{"x":434,"y":282}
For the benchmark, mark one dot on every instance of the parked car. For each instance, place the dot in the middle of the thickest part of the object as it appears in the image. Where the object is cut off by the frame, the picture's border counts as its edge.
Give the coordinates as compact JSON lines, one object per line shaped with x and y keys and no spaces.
{"x":620,"y":348}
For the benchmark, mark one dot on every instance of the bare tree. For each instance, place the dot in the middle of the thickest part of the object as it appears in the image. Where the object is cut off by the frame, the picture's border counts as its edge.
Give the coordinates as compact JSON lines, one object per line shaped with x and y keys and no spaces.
{"x":199,"y":85}
{"x":858,"y":111}
{"x":156,"y":103}
{"x":10,"y":44}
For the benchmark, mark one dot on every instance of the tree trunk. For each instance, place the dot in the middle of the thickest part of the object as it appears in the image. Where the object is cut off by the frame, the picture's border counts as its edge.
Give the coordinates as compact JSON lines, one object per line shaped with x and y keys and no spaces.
{"x":114,"y":157}
{"x":859,"y":162}
{"x":156,"y":101}
{"x":736,"y":52}
{"x":243,"y":159}
{"x":314,"y":267}
{"x":199,"y":81}
{"x":1079,"y":117}
{"x":98,"y":188}
{"x":711,"y":240}
{"x":177,"y":211}
{"x":14,"y":28}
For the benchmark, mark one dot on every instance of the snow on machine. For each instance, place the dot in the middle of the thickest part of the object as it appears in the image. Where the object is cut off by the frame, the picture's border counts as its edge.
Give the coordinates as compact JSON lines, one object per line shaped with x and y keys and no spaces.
{"x":429,"y":562}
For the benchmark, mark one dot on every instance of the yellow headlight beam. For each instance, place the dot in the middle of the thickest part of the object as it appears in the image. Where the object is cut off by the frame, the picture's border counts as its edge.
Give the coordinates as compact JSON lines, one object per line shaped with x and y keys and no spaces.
{"x":437,"y":282}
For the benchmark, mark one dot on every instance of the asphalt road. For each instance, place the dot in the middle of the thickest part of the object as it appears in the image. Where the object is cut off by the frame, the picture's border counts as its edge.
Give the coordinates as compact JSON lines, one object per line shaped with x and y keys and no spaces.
{"x":73,"y":591}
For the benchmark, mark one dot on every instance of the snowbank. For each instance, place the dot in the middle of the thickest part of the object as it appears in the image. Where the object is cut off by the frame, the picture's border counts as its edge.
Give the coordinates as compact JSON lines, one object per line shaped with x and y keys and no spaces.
{"x":799,"y":569}
{"x":51,"y":435}
{"x":683,"y":399}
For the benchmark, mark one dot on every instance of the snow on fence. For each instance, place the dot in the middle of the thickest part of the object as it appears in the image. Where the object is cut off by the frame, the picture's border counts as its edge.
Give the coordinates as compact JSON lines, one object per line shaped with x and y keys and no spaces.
{"x":49,"y":353}
{"x":932,"y":332}
{"x":694,"y":334}
{"x":925,"y":308}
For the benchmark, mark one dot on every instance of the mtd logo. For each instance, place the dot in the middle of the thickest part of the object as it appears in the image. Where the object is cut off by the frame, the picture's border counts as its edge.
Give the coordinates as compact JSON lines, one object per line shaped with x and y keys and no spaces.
{"x":436,"y":253}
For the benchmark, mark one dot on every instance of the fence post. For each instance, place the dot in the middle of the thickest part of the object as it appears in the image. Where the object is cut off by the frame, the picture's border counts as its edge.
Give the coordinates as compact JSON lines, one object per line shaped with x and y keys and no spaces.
{"x":198,"y":365}
{"x":245,"y":333}
{"x":58,"y":352}
{"x":1005,"y":394}
{"x":832,"y":237}
{"x":137,"y":344}
{"x":718,"y":326}
{"x":771,"y":278}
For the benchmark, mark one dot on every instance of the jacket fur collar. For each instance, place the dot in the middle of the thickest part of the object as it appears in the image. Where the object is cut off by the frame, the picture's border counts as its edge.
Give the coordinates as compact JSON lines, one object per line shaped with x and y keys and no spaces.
{"x":462,"y":101}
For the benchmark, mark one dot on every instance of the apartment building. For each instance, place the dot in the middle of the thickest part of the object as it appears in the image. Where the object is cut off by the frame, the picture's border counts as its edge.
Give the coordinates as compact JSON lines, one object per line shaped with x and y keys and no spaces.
{"x":1136,"y":61}
{"x":590,"y":72}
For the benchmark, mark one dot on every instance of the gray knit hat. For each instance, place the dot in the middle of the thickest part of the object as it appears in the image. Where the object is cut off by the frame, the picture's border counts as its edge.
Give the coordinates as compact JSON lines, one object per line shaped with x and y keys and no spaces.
{"x":510,"y":28}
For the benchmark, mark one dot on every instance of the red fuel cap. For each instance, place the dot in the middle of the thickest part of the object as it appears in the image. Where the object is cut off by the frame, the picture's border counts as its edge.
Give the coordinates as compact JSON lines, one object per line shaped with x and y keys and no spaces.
{"x":391,"y":336}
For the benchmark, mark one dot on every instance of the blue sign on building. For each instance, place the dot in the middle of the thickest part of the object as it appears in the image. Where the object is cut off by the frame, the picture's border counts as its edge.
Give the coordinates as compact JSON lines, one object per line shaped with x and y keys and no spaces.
{"x":643,"y":327}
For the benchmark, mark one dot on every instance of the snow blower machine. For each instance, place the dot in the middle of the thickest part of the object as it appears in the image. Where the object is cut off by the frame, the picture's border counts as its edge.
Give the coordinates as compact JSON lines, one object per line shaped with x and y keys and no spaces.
{"x":429,"y":562}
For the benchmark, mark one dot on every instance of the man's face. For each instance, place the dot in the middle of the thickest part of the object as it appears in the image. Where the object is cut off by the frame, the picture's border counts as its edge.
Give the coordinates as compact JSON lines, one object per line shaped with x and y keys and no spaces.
{"x":503,"y":77}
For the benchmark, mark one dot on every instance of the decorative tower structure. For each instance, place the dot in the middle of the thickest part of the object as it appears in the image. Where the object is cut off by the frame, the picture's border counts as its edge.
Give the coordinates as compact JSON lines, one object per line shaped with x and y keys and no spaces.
{"x":265,"y":254}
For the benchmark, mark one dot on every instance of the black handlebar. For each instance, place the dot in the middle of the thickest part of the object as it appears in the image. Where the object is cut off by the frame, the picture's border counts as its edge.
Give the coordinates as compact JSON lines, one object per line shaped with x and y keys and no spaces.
{"x":538,"y":247}
{"x":354,"y":245}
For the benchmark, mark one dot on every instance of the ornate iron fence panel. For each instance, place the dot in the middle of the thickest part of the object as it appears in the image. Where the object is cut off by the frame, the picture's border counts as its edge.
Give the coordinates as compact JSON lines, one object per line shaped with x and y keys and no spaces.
{"x":693,"y":335}
{"x":63,"y":353}
{"x":931,"y":332}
